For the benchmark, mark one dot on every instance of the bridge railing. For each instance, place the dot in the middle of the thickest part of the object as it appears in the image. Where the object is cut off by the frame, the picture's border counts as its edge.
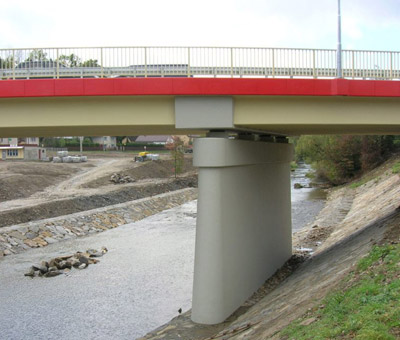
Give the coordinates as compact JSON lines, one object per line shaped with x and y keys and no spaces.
{"x":195,"y":62}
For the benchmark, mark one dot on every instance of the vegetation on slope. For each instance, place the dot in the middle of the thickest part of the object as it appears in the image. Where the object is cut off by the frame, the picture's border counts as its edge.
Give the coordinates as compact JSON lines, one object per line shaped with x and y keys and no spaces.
{"x":365,"y":305}
{"x":340,"y":159}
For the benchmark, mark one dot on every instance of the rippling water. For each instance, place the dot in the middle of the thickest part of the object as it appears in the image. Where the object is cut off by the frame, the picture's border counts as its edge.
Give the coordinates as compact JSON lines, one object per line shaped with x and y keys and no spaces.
{"x":306,"y":202}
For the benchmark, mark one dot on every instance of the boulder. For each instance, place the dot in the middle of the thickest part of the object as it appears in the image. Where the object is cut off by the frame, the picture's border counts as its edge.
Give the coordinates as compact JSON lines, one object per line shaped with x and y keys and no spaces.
{"x":83,"y":266}
{"x":31,"y":273}
{"x":74,"y":262}
{"x":52,"y":273}
{"x":84,"y":259}
{"x":42,"y":269}
{"x":120,"y":178}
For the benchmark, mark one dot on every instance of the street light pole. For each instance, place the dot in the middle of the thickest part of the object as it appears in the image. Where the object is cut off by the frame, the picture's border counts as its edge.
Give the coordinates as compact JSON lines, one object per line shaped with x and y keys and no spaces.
{"x":339,"y":45}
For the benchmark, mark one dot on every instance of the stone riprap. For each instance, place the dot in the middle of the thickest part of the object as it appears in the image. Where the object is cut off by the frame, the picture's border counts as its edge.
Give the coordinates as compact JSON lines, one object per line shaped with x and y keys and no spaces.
{"x":64,"y":264}
{"x":18,"y":238}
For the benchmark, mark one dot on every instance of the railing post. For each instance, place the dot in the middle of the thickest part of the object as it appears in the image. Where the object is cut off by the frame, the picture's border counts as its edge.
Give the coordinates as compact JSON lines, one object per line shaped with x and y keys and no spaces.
{"x":145,"y":62}
{"x":188,"y":70}
{"x":101,"y":62}
{"x":391,"y":65}
{"x":231,"y":62}
{"x":273,"y":63}
{"x":314,"y":70}
{"x":352,"y":64}
{"x":13,"y":63}
{"x":58,"y":64}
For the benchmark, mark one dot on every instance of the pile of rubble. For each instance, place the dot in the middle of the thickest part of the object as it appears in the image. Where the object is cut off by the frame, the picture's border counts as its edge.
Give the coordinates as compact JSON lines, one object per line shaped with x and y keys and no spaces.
{"x":63,"y":157}
{"x":119,"y":178}
{"x":63,"y":264}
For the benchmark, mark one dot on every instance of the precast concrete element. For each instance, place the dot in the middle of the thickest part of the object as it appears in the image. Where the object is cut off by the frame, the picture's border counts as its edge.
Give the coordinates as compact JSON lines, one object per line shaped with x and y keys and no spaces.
{"x":243,"y":222}
{"x":204,"y":112}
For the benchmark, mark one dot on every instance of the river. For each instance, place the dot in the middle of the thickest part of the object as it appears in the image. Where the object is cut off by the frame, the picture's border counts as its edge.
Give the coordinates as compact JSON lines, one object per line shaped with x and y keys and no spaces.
{"x":306,"y":202}
{"x":139,"y":284}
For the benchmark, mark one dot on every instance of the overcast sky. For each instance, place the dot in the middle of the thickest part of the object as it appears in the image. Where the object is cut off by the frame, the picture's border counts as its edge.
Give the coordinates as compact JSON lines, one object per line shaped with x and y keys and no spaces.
{"x":366,"y":24}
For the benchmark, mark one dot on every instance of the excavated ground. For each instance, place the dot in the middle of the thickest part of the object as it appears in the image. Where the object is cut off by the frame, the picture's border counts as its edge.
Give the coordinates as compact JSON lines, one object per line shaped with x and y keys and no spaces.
{"x":34,"y":190}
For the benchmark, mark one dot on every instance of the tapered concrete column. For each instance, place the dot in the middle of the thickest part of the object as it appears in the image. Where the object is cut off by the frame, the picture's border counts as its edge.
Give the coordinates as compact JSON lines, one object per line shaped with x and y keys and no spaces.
{"x":243,"y":222}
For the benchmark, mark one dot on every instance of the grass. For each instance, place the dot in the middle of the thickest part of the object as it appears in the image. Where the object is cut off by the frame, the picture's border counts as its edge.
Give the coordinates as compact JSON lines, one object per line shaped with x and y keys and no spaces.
{"x":357,"y":184}
{"x":364,"y":180}
{"x":311,"y":174}
{"x":365,"y":306}
{"x":293,"y":165}
{"x":396,"y":168}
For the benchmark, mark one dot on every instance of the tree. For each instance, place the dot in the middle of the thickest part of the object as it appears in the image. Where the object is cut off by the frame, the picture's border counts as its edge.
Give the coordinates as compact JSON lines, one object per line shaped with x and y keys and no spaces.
{"x":7,"y":63}
{"x":71,"y":60}
{"x":341,"y":158}
{"x":177,"y":150}
{"x":37,"y":55}
{"x":90,"y":63}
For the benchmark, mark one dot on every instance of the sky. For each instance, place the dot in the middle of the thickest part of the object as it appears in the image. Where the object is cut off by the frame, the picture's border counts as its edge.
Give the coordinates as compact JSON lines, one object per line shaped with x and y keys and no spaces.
{"x":366,"y":24}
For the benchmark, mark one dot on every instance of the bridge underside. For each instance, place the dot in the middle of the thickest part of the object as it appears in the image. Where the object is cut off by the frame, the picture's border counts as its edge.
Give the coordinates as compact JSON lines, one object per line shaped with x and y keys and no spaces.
{"x":134,"y":115}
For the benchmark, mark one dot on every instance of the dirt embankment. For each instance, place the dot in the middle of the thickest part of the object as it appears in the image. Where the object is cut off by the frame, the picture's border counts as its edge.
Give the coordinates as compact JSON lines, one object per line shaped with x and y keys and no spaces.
{"x":83,"y":203}
{"x":22,"y":179}
{"x":146,"y":170}
{"x":45,"y":190}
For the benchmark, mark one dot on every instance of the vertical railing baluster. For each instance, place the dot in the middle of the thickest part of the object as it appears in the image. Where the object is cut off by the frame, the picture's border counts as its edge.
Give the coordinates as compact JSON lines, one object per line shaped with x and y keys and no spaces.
{"x":231,"y":62}
{"x":314,"y":70}
{"x":13,"y":64}
{"x":145,"y":62}
{"x":273,"y":63}
{"x":188,"y":62}
{"x":391,"y":65}
{"x":101,"y":62}
{"x":58,"y":64}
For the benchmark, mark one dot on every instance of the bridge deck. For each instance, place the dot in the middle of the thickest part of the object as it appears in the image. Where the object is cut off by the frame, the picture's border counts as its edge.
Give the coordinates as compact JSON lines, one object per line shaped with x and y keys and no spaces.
{"x":121,"y":106}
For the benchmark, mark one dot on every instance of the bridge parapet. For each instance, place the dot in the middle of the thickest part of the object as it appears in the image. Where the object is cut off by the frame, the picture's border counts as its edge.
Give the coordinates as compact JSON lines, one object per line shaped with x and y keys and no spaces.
{"x":109,"y":62}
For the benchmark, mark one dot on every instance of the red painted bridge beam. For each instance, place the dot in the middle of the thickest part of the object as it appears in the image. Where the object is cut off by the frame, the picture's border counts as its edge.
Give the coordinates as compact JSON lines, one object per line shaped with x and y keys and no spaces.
{"x":197,"y":86}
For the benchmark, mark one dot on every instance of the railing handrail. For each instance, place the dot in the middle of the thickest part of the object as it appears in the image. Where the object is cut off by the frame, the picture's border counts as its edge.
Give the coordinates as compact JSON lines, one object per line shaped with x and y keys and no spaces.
{"x":193,"y":47}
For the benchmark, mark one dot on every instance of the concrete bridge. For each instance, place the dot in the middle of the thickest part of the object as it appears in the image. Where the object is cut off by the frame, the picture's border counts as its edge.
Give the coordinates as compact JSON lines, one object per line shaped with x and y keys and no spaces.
{"x":244,"y":219}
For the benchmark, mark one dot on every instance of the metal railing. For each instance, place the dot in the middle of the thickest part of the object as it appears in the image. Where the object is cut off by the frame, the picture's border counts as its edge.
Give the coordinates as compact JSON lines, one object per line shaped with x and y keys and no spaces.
{"x":110,"y":62}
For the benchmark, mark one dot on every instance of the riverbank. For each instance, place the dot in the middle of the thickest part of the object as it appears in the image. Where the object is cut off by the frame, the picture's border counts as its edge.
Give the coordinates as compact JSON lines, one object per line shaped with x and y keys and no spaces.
{"x":354,"y":218}
{"x":18,"y":238}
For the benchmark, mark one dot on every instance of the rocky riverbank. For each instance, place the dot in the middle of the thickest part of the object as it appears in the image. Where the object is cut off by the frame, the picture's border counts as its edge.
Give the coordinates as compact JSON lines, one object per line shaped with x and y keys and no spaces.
{"x":355,"y":217}
{"x":18,"y":238}
{"x":70,"y":205}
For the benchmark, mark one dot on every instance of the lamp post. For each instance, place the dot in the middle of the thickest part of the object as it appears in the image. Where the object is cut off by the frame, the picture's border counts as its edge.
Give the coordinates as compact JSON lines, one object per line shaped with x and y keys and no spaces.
{"x":339,"y":45}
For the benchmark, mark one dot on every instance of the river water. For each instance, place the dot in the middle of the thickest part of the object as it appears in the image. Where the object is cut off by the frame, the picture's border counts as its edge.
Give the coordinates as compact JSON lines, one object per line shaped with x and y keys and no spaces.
{"x":139,"y":284}
{"x":306,"y":202}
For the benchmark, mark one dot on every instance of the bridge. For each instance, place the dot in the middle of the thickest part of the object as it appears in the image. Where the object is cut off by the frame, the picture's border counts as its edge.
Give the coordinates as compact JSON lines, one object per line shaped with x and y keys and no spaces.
{"x":244,"y":101}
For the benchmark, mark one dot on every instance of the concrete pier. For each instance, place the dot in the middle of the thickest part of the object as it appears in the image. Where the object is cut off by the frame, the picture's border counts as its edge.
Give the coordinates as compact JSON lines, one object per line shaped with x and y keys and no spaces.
{"x":244,"y":222}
